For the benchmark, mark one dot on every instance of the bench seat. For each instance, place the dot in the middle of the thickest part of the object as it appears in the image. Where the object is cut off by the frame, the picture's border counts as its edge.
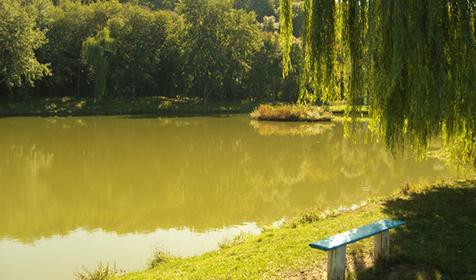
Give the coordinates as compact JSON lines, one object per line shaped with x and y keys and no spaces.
{"x":355,"y":235}
{"x":335,"y":246}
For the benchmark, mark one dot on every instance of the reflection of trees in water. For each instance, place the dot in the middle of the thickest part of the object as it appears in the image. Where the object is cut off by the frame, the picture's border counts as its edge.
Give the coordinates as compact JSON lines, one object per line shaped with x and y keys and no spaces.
{"x":130,"y":175}
{"x":28,"y":161}
{"x":22,"y":187}
{"x":268,"y":128}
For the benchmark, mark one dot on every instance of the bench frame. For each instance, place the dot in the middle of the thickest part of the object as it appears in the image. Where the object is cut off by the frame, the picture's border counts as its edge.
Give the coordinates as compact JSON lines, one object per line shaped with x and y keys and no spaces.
{"x":336,"y":258}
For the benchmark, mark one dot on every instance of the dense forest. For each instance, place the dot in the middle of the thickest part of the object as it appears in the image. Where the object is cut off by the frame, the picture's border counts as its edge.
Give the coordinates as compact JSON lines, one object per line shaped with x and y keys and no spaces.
{"x":211,"y":49}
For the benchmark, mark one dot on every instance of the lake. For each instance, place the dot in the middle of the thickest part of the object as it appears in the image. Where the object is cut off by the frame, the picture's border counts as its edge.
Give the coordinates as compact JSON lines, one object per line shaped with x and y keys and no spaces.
{"x":78,"y":191}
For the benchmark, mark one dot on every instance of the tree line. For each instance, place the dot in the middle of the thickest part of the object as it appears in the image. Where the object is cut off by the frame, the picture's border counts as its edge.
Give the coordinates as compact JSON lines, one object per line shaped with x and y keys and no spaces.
{"x":212,"y":49}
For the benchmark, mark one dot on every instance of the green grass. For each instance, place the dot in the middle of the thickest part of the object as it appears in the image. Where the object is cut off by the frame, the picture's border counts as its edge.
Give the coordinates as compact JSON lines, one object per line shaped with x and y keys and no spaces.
{"x":439,"y":242}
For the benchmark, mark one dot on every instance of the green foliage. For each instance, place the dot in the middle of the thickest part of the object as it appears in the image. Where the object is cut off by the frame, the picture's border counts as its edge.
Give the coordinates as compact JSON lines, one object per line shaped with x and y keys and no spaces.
{"x":143,"y":40}
{"x":208,"y":48}
{"x":298,"y":18}
{"x":286,"y":31}
{"x":19,"y":38}
{"x":262,"y":8}
{"x":265,"y":74}
{"x":220,"y":43}
{"x":160,"y":4}
{"x":97,"y":51}
{"x":427,"y":76}
{"x":305,"y":78}
{"x":70,"y":26}
{"x":321,"y":42}
{"x":242,"y":42}
{"x":413,"y":62}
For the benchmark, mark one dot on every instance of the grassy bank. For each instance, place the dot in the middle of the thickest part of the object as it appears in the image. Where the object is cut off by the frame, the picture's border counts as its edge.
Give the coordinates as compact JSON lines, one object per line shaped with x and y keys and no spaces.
{"x":161,"y":106}
{"x":439,"y":242}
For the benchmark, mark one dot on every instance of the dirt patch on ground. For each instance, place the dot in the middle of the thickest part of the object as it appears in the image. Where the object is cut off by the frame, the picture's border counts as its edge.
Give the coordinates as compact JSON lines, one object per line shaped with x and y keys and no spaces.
{"x":358,"y":259}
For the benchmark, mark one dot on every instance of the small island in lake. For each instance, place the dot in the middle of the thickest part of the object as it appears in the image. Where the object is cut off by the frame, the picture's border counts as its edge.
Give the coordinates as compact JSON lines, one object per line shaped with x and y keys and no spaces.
{"x":287,"y":112}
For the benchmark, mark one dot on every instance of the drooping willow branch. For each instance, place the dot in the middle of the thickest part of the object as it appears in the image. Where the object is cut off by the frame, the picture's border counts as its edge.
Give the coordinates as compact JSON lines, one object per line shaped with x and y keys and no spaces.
{"x":286,"y":31}
{"x":412,"y":62}
{"x":305,"y":93}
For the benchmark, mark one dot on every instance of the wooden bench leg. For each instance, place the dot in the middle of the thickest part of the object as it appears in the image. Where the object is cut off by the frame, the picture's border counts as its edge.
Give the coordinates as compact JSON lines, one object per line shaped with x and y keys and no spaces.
{"x":336,"y":264}
{"x":382,"y":246}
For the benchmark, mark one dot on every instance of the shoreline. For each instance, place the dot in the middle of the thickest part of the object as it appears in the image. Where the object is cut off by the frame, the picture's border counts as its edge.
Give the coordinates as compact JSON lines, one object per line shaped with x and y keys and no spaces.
{"x":279,"y":253}
{"x":159,"y":106}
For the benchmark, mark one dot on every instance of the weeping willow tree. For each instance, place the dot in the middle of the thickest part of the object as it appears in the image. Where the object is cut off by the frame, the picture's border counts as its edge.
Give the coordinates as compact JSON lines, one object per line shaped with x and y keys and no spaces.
{"x":96,"y":51}
{"x":413,"y":63}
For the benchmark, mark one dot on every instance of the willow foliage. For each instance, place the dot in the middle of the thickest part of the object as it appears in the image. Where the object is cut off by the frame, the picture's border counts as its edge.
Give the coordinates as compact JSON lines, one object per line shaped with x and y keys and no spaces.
{"x":286,"y":31}
{"x":96,"y":51}
{"x":306,"y":94}
{"x":412,"y":62}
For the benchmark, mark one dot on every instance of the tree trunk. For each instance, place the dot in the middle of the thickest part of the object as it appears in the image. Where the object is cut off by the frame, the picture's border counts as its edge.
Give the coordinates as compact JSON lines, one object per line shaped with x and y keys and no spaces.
{"x":206,"y":93}
{"x":78,"y":81}
{"x":274,"y":90}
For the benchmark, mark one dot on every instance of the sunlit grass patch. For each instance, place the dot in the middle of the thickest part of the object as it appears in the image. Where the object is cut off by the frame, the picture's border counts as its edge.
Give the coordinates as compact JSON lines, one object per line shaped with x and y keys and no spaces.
{"x":288,"y":112}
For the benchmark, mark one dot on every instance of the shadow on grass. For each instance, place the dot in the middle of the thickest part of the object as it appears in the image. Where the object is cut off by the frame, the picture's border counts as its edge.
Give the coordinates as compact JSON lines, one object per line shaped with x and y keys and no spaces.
{"x":439,"y":240}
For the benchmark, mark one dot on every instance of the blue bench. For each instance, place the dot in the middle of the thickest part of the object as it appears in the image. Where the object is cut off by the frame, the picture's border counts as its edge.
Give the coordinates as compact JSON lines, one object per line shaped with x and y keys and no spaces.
{"x":336,"y":245}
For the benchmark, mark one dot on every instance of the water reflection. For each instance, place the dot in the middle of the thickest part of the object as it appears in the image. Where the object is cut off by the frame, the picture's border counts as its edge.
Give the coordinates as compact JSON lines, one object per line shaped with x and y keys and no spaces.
{"x":268,"y":128}
{"x":134,"y":176}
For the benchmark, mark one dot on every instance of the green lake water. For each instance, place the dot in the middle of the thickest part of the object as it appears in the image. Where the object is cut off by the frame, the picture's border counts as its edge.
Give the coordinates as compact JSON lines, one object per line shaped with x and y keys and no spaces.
{"x":78,"y":191}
